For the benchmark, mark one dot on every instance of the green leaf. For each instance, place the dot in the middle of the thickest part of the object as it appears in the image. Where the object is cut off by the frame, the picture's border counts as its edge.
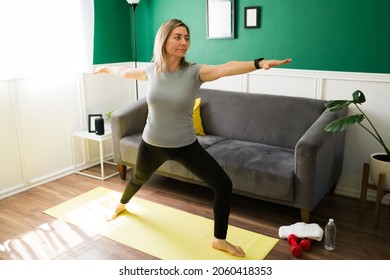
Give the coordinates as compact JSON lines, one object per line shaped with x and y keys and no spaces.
{"x":334,"y":125}
{"x":358,"y":97}
{"x":343,"y":123}
{"x":108,"y":115}
{"x":337,"y":105}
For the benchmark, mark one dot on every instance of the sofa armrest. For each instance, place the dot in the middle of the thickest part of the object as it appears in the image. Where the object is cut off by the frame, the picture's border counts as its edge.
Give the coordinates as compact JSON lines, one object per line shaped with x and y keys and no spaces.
{"x":318,"y":161}
{"x":126,"y":121}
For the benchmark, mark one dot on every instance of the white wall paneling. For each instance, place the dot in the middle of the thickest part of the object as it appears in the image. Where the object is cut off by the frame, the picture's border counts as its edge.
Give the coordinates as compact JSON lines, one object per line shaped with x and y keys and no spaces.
{"x":233,"y":83}
{"x":104,"y":93}
{"x":41,"y":114}
{"x":282,"y":85}
{"x":11,"y":174}
{"x":48,"y":112}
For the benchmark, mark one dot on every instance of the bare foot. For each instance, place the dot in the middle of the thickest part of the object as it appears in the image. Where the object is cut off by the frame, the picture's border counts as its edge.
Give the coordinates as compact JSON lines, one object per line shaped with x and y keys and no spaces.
{"x":223,"y":245}
{"x":119,"y":209}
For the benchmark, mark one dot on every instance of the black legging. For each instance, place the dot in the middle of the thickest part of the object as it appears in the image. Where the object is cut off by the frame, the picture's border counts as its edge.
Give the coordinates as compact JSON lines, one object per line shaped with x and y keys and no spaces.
{"x":196,"y":159}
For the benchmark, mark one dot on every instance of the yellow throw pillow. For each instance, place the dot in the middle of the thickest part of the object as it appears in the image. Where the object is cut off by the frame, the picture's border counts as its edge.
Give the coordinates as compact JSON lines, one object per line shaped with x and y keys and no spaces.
{"x":197,"y":119}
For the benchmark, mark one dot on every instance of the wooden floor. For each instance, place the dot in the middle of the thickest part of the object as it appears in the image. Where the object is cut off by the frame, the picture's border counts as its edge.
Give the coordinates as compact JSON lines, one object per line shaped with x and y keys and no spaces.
{"x":27,"y":233}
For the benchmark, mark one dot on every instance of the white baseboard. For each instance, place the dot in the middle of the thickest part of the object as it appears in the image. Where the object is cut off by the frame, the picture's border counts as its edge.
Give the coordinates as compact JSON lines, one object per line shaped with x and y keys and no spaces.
{"x":371,"y":194}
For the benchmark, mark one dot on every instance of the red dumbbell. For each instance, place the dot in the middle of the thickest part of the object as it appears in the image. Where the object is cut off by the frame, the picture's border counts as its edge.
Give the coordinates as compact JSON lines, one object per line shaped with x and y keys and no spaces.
{"x":296,"y":250}
{"x":305,"y":244}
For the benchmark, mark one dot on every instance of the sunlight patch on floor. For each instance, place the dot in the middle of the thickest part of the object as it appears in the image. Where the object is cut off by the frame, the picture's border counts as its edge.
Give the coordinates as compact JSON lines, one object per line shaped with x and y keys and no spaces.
{"x":47,"y":241}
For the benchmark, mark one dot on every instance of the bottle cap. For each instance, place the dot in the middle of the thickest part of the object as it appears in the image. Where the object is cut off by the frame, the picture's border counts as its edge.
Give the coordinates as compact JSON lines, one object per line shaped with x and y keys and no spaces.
{"x":331,"y":220}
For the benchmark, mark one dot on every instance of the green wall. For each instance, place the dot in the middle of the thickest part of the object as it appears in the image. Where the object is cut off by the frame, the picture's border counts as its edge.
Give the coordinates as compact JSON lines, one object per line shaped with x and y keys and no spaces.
{"x":336,"y":35}
{"x":112,"y":31}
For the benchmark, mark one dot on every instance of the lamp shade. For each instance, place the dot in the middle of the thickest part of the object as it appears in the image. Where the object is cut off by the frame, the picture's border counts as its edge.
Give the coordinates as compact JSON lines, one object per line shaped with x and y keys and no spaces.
{"x":132,"y":2}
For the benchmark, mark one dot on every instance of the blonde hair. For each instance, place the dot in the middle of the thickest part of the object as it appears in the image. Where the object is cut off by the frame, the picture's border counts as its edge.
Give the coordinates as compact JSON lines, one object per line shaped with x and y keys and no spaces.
{"x":159,"y":51}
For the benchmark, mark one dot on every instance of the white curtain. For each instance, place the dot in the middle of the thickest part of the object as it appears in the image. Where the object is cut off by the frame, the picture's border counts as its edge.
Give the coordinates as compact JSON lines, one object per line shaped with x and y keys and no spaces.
{"x":40,"y":36}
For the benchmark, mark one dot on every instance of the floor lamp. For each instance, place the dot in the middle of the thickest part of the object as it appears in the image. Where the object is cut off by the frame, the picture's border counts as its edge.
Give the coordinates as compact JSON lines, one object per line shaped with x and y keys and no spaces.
{"x":133,"y":4}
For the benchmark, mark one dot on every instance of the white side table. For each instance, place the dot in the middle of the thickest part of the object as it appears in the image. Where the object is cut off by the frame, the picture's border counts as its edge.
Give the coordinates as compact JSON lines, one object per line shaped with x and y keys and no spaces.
{"x":85,"y":135}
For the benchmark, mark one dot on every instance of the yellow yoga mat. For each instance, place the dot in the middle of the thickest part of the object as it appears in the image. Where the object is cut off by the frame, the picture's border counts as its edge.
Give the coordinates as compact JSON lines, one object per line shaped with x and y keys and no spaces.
{"x":158,"y":230}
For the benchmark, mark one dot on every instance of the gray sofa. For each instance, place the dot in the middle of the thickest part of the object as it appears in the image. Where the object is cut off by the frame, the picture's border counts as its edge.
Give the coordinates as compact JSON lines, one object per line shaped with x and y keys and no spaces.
{"x":273,"y":147}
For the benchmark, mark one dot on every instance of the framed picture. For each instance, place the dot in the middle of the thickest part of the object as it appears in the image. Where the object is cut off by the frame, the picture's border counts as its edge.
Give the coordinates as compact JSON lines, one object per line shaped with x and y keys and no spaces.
{"x":91,"y":122}
{"x":220,"y":19}
{"x":252,"y":17}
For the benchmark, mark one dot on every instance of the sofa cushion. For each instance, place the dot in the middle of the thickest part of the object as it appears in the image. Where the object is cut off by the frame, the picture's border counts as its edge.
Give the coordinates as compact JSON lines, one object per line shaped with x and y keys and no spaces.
{"x":264,"y":170}
{"x":129,"y":145}
{"x":209,"y":140}
{"x":255,"y":168}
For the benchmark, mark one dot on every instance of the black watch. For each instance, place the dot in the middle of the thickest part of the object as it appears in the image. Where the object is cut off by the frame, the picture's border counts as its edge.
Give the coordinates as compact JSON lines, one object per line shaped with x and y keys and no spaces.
{"x":257,"y":62}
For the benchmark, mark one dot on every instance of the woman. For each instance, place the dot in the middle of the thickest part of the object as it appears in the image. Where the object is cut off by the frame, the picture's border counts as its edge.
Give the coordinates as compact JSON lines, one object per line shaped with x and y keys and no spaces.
{"x":169,"y":133}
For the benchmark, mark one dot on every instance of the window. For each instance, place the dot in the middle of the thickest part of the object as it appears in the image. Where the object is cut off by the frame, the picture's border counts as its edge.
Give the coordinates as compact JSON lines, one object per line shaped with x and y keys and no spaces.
{"x":45,"y":35}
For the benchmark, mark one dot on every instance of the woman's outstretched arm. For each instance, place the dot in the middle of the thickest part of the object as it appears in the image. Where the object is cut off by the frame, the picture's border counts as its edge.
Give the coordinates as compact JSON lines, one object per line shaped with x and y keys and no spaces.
{"x":209,"y":73}
{"x":123,"y":72}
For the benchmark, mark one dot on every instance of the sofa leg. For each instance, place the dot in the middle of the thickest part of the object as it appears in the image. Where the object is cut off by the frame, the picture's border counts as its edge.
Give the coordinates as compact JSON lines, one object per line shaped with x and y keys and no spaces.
{"x":122,"y":171}
{"x":305,"y":215}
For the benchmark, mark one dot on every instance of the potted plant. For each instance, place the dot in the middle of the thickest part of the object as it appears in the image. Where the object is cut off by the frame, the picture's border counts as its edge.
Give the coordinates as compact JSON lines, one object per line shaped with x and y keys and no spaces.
{"x":379,"y":162}
{"x":108,"y":120}
{"x":108,"y":115}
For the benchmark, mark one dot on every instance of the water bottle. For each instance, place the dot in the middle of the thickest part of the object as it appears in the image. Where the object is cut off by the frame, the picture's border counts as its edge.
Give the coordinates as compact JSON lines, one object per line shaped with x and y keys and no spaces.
{"x":330,"y":235}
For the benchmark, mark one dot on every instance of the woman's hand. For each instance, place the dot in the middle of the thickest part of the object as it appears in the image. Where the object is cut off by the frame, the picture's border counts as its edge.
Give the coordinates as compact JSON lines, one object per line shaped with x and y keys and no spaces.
{"x":268,"y":64}
{"x":101,"y":70}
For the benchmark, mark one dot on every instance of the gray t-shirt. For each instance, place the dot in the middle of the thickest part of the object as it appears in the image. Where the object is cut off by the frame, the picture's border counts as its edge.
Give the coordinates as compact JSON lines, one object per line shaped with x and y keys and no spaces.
{"x":170,"y":98}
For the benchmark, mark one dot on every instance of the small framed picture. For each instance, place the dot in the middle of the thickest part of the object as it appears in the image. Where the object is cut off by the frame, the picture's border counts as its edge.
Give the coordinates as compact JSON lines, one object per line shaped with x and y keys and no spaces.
{"x":91,"y":122}
{"x":252,"y":17}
